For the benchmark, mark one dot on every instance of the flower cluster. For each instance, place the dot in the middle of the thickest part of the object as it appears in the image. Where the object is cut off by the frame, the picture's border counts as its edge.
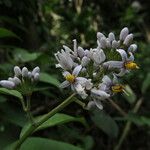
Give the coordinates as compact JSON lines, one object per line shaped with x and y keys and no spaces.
{"x":21,"y":77}
{"x":94,"y":74}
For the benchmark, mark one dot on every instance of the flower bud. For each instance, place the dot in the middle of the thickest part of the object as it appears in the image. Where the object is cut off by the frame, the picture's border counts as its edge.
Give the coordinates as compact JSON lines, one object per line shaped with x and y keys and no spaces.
{"x":85,"y":60}
{"x":103,"y":42}
{"x":36,"y":76}
{"x":7,"y":84}
{"x":100,"y":35}
{"x":24,"y":72}
{"x":16,"y":80}
{"x":29,"y":74}
{"x":10,"y":79}
{"x":36,"y":70}
{"x":17,"y":71}
{"x":132,"y":48}
{"x":115,"y":44}
{"x":108,"y":45}
{"x":128,"y":40}
{"x":123,"y":34}
{"x":111,"y":37}
{"x":80,"y":52}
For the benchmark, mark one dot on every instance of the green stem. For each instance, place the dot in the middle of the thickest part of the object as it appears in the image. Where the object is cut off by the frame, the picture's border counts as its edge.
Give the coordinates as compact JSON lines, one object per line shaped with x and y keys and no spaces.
{"x":28,"y":109}
{"x":80,"y":103}
{"x":45,"y":118}
{"x":128,"y":125}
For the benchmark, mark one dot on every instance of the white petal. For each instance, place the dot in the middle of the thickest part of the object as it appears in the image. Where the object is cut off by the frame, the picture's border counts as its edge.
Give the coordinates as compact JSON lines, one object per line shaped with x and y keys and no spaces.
{"x":90,"y":105}
{"x":64,"y":84}
{"x":131,"y":58}
{"x":67,"y":49}
{"x":98,"y":104}
{"x":65,"y":73}
{"x":121,"y":73}
{"x":77,"y":70}
{"x":80,"y":90}
{"x":81,"y":80}
{"x":123,"y":54}
{"x":113,"y":64}
{"x":106,"y":80}
{"x":100,"y":35}
{"x":101,"y":95}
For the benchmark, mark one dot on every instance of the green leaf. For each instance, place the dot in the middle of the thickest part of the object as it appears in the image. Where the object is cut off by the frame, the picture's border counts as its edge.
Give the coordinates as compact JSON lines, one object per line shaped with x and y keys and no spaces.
{"x":146,"y":83}
{"x":138,"y":120}
{"x":44,"y":77}
{"x":21,"y":55}
{"x":7,"y":33}
{"x":35,"y":143}
{"x":129,"y":95}
{"x":11,"y":92}
{"x":57,"y":119}
{"x":105,"y":123}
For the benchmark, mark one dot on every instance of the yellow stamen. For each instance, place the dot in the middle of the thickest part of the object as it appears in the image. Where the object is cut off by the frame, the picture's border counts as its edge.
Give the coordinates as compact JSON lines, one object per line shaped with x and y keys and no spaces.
{"x":117,"y":88}
{"x":131,"y":65}
{"x":70,"y":78}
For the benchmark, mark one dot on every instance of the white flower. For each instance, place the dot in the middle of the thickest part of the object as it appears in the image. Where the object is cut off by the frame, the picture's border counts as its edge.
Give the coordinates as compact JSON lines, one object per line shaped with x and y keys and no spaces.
{"x":98,"y":55}
{"x":78,"y":84}
{"x":125,"y":65}
{"x":64,"y":60}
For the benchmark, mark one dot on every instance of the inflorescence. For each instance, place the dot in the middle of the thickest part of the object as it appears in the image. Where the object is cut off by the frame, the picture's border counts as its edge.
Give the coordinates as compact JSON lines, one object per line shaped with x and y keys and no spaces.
{"x":94,"y":74}
{"x":21,"y":79}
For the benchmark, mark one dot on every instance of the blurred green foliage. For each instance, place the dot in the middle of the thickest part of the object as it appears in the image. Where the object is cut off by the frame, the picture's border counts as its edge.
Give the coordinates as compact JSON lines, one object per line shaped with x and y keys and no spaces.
{"x":31,"y":31}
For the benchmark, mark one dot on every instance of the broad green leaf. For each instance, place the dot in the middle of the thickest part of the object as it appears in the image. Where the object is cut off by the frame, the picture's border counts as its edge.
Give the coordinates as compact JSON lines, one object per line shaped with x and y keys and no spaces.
{"x":57,"y":119}
{"x":146,"y":83}
{"x":11,"y":92}
{"x":7,"y":33}
{"x":105,"y":123}
{"x":35,"y":143}
{"x":44,"y":77}
{"x":129,"y":95}
{"x":21,"y":55}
